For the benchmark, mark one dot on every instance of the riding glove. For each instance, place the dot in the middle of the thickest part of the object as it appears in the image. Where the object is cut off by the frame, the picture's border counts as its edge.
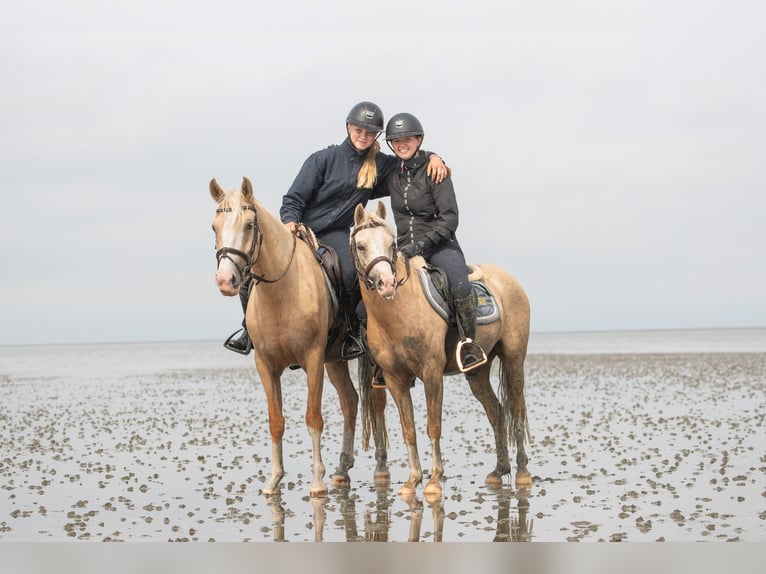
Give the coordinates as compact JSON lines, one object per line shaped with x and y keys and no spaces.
{"x":415,"y":248}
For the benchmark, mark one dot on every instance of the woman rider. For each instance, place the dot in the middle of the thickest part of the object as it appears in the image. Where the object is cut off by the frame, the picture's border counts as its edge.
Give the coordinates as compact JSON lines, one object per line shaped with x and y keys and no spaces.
{"x":327,"y":189}
{"x":426,"y":216}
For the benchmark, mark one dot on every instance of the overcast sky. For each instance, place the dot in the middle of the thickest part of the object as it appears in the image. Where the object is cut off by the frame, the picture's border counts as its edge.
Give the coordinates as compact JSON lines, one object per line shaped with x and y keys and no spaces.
{"x":610,"y":154}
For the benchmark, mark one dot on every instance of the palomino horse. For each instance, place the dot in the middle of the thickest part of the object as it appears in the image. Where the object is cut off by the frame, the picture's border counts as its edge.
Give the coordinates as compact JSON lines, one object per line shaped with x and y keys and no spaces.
{"x":406,"y":339}
{"x":289,"y":316}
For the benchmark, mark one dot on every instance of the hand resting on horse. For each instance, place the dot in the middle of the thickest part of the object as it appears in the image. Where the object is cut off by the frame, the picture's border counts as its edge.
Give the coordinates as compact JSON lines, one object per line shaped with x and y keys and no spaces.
{"x":415,"y":248}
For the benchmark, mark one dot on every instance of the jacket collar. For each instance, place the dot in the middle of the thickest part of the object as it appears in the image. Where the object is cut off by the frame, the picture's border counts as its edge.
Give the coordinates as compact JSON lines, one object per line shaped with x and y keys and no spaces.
{"x":416,"y":161}
{"x":350,"y":151}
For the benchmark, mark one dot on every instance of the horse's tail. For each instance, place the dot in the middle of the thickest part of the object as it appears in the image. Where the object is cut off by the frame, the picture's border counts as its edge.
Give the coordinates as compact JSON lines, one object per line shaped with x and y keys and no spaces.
{"x":364,"y":371}
{"x":514,"y":406}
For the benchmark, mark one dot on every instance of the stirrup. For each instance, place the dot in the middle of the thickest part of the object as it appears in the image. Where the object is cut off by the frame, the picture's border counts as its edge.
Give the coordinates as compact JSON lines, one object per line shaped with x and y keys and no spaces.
{"x":352,"y":348}
{"x":480,"y":356}
{"x":229,"y":343}
{"x":378,"y":382}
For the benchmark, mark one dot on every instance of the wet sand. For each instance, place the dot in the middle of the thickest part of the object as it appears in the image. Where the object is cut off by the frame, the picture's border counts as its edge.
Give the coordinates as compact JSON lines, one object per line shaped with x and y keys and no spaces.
{"x":635,"y":447}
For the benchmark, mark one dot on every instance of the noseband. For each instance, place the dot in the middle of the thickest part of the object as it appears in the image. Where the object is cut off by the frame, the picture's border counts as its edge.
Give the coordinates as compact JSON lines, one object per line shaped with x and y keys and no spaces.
{"x":364,"y":273}
{"x":249,"y":258}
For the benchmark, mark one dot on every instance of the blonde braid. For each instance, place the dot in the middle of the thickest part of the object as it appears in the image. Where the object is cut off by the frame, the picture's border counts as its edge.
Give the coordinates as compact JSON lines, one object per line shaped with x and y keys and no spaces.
{"x":368,"y":173}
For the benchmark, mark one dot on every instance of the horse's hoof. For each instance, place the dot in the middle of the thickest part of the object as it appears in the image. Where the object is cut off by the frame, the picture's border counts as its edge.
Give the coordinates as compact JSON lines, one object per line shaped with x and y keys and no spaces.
{"x":523,"y":480}
{"x":339,"y":481}
{"x":382,"y":477}
{"x":494,"y":479}
{"x":432,"y":493}
{"x":407,"y":492}
{"x":432,"y":490}
{"x":318,"y":490}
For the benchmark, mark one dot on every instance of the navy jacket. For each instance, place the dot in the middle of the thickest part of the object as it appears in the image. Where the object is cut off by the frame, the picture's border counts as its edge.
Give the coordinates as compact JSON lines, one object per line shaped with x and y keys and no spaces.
{"x":324,"y":194}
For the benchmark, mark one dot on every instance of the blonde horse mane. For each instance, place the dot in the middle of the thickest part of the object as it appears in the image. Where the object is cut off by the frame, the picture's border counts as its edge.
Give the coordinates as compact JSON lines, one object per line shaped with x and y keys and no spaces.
{"x":232,"y":201}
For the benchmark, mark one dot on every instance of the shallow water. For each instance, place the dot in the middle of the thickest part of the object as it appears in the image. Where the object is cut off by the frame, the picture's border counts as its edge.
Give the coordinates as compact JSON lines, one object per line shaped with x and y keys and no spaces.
{"x":660,"y":436}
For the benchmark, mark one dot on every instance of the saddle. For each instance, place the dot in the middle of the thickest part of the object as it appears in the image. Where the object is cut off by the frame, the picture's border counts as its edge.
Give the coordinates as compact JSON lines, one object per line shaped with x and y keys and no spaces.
{"x":434,"y":283}
{"x":328,"y":261}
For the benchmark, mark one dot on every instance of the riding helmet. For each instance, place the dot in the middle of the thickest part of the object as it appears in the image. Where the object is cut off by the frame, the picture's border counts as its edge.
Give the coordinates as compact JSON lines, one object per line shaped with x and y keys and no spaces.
{"x":366,"y":115}
{"x":402,"y":126}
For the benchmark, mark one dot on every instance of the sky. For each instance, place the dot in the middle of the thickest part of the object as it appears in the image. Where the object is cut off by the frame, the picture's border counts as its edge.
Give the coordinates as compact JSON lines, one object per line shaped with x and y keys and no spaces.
{"x":609,"y":154}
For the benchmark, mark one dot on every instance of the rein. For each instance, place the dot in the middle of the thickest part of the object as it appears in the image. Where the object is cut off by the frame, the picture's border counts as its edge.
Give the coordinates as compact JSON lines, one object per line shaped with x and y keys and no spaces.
{"x":249,"y":258}
{"x":364,"y":273}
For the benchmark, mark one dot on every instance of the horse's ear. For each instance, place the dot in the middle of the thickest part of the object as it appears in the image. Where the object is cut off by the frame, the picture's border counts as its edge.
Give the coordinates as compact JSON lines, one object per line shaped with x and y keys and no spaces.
{"x":359,"y":214}
{"x":381,"y":211}
{"x":247,"y":188}
{"x":215,"y":191}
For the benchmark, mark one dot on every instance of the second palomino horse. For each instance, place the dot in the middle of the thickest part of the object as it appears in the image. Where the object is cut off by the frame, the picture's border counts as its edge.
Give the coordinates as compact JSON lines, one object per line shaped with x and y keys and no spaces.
{"x":289,"y":316}
{"x":406,"y":339}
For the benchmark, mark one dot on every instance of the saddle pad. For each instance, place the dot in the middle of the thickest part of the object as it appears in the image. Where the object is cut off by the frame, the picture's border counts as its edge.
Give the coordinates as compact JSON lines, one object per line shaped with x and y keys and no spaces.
{"x":486,"y":306}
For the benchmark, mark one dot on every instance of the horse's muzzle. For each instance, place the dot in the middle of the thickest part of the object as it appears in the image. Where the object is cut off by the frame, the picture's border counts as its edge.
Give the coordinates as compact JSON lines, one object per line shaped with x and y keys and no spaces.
{"x":228,"y":283}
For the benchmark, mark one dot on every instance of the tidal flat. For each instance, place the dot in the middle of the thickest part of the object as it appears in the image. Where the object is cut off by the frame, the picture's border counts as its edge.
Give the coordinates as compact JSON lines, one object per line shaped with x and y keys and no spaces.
{"x":630,"y":447}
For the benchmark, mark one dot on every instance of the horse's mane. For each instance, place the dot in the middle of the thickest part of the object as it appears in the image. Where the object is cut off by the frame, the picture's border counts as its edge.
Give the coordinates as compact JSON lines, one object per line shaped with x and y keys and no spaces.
{"x":234,"y":199}
{"x":372,"y":220}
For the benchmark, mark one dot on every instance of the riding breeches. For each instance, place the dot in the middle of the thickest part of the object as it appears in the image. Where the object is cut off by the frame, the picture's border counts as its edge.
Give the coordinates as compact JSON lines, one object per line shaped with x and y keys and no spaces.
{"x":449,"y":257}
{"x":338,"y":240}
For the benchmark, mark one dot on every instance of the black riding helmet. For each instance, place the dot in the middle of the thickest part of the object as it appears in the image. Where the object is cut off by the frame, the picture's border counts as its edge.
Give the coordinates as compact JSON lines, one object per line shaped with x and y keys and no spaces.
{"x":366,"y":115}
{"x":402,"y":126}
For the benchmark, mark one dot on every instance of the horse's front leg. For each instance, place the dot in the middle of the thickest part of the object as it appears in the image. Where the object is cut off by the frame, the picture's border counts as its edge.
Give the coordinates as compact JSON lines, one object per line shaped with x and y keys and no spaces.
{"x":434,"y":389}
{"x":400,"y":392}
{"x":349,"y":403}
{"x":315,"y":423}
{"x":272,"y":386}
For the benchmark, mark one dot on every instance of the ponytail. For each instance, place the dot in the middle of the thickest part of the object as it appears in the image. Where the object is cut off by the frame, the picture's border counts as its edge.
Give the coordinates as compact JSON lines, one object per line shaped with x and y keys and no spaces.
{"x":368,"y":173}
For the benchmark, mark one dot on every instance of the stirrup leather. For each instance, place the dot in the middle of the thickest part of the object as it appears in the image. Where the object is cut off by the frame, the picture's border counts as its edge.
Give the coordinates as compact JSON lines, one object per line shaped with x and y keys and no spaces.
{"x":482,"y":359}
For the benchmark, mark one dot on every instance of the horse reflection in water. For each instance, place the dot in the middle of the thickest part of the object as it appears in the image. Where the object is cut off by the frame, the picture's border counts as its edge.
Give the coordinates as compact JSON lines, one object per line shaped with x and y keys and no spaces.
{"x":407,"y":339}
{"x":379,"y":519}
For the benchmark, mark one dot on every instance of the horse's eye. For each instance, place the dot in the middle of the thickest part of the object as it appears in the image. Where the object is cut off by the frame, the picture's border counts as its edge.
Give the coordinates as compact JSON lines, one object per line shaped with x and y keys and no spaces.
{"x":249,"y":226}
{"x":360,"y":247}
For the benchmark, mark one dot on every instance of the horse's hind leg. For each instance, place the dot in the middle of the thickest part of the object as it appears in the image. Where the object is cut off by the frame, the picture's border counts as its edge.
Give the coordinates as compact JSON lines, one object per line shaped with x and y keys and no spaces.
{"x":512,"y":384}
{"x":378,"y":401}
{"x":374,"y":421}
{"x":349,"y":403}
{"x":482,"y":390}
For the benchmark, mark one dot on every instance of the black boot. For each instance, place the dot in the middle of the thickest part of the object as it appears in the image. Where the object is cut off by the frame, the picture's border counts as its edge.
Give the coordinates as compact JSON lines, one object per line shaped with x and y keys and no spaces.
{"x":353,"y":344}
{"x":239,"y":341}
{"x":469,"y":354}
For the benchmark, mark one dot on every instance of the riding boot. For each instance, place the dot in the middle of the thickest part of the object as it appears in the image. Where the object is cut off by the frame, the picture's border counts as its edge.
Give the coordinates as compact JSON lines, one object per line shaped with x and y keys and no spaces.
{"x":353,"y":345}
{"x":469,"y":354}
{"x":239,"y":341}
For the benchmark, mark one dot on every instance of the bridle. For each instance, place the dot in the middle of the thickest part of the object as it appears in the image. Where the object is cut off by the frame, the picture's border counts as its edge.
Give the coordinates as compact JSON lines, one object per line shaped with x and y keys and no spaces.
{"x":364,"y":273}
{"x":250,"y":258}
